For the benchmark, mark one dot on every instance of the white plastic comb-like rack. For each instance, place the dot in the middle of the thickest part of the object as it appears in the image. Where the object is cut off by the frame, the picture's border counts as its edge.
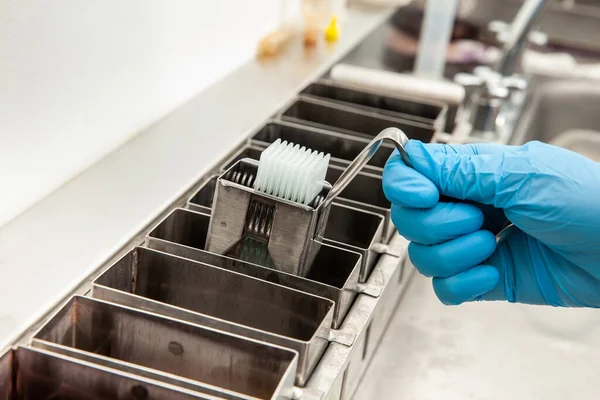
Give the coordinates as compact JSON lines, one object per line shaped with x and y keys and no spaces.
{"x":291,"y":172}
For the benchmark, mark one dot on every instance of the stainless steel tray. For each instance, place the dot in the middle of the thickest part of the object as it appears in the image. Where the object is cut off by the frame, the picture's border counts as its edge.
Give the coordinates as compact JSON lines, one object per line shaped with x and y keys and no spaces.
{"x":418,"y":110}
{"x":35,"y":374}
{"x":334,"y":274}
{"x":352,"y":225}
{"x":351,"y":120}
{"x":250,"y":151}
{"x":202,"y":200}
{"x":168,"y":350}
{"x":221,"y":299}
{"x":356,"y":230}
{"x":365,"y":192}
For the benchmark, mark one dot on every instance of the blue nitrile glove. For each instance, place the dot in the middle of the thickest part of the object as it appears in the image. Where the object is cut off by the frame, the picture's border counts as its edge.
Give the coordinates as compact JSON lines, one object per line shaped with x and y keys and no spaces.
{"x":551,"y":194}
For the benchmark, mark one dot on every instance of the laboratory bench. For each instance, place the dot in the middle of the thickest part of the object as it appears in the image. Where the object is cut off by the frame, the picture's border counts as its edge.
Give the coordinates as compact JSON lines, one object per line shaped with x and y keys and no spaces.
{"x":110,"y":292}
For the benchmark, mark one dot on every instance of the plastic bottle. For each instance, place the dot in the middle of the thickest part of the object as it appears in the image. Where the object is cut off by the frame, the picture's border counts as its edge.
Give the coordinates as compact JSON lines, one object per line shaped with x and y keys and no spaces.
{"x":316,"y":14}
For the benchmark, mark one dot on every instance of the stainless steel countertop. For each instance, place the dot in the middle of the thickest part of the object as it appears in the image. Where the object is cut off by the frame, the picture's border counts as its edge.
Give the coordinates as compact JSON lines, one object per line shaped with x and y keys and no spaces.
{"x":49,"y":250}
{"x":484,"y":351}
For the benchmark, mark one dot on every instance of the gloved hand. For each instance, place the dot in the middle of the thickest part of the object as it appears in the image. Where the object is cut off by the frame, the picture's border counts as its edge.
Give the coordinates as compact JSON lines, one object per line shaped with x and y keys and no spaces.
{"x":552,"y":195}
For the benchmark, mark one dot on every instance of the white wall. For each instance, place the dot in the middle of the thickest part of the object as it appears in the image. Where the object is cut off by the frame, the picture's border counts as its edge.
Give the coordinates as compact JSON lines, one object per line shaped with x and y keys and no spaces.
{"x":80,"y":77}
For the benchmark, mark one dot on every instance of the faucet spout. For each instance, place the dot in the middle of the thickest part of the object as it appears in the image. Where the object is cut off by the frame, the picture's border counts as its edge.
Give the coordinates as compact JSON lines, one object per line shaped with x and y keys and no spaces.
{"x":517,"y":35}
{"x":488,"y":110}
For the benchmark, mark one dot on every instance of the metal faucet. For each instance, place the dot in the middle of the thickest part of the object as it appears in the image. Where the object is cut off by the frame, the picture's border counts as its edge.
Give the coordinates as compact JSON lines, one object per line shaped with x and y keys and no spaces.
{"x":489,"y":92}
{"x":517,"y":35}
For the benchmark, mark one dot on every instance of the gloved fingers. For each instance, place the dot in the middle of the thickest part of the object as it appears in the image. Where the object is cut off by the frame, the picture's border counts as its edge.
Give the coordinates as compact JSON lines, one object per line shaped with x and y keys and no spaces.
{"x":479,"y":178}
{"x":452,"y":257}
{"x":439,"y":224}
{"x":520,"y":280}
{"x":472,"y":149}
{"x":405,"y":186}
{"x":466,"y":286}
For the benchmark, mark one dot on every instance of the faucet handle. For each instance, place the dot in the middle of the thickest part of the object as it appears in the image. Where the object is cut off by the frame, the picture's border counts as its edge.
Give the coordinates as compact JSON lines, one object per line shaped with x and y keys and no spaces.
{"x":485,"y":83}
{"x":502,"y":29}
{"x":487,"y":73}
{"x":515,"y":83}
{"x":493,"y":78}
{"x":481,"y":75}
{"x":538,"y":38}
{"x":468,"y":80}
{"x":516,"y":86}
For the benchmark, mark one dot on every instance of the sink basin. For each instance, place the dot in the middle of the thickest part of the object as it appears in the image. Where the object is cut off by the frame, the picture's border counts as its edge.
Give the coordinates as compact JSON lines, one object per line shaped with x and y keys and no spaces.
{"x":563,"y":113}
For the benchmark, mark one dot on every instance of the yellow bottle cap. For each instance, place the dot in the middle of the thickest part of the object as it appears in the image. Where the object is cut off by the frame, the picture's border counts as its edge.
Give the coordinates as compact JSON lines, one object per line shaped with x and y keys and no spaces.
{"x":332,"y":32}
